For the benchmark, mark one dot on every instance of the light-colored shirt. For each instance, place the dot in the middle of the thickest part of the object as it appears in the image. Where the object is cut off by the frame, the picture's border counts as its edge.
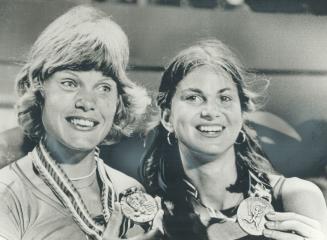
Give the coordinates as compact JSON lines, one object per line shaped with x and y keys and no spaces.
{"x":29,"y":210}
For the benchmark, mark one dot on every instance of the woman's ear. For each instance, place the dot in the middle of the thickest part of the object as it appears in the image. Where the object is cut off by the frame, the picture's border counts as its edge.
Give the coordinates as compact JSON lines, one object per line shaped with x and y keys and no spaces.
{"x":165,"y":120}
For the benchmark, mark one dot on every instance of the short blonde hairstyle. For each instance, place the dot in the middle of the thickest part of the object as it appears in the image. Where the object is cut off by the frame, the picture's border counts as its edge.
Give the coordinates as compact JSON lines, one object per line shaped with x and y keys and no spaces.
{"x":82,"y":39}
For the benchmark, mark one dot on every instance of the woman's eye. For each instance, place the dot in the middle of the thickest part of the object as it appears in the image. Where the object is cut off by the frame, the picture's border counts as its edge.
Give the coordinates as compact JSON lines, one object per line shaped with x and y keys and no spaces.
{"x":69,"y":84}
{"x":104,"y":88}
{"x":194,"y":99}
{"x":226,"y":99}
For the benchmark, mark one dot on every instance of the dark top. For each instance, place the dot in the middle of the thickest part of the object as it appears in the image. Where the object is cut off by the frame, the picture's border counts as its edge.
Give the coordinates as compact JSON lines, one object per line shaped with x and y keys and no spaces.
{"x":181,"y":221}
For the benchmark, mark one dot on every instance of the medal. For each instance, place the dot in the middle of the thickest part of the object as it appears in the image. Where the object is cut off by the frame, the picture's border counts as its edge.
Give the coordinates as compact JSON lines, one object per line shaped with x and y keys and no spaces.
{"x":251,"y":214}
{"x":138,"y":206}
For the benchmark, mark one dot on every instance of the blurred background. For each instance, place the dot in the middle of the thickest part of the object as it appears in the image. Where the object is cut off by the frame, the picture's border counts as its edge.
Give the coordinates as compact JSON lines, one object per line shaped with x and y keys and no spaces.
{"x":282,"y":40}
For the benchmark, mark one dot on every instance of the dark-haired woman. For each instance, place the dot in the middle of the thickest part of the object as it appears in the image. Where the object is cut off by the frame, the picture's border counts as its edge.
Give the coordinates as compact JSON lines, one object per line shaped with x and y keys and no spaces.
{"x":206,"y":164}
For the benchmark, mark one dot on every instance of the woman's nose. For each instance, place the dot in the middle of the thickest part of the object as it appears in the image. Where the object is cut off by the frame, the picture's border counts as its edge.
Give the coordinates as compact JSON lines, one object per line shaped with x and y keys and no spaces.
{"x":210,"y":111}
{"x":85,"y":101}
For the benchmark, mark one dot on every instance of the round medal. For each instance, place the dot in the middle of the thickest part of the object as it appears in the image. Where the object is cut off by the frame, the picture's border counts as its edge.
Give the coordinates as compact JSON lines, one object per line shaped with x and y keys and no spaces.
{"x":138,"y":206}
{"x":251,"y":214}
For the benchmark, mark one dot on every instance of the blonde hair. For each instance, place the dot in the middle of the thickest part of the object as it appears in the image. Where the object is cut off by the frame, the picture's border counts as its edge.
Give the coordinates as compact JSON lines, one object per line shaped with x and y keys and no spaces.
{"x":82,"y":39}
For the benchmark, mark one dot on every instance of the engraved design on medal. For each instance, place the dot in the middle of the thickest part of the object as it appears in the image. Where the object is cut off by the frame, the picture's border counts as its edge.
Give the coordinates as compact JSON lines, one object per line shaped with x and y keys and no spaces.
{"x":251,"y":214}
{"x":138,"y":206}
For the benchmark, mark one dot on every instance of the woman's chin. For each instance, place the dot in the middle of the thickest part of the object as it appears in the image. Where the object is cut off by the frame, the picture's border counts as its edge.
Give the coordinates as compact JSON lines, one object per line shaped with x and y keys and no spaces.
{"x":211,"y":150}
{"x":81,"y":144}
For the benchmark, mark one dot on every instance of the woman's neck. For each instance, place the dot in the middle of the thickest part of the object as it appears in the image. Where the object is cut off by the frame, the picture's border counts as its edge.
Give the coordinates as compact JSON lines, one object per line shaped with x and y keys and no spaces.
{"x":212,"y":176}
{"x":76,"y":163}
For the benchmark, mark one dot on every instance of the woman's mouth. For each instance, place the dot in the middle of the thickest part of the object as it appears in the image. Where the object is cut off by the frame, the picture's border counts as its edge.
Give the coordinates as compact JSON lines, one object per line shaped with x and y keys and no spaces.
{"x":210,"y":130}
{"x":82,"y":123}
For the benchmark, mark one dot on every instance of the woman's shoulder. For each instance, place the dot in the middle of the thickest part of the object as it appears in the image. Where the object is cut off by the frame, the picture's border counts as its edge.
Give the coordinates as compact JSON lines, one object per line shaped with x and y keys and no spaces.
{"x":13,"y":145}
{"x":12,"y":182}
{"x":294,"y":186}
{"x":303,"y":189}
{"x":300,"y":196}
{"x":122,"y":181}
{"x":8,"y":174}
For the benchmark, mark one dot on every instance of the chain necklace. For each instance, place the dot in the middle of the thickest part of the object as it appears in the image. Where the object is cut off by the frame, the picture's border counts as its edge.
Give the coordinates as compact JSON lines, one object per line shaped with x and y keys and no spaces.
{"x":84,"y":177}
{"x":57,"y":180}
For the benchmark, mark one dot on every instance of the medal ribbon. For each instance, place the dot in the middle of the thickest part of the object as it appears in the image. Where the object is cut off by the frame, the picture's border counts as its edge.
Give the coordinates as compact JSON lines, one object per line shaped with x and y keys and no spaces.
{"x":57,"y":180}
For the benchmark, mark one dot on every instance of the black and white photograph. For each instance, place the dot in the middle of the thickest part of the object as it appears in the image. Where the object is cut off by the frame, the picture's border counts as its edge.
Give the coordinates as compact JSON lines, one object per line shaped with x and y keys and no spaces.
{"x":163,"y":119}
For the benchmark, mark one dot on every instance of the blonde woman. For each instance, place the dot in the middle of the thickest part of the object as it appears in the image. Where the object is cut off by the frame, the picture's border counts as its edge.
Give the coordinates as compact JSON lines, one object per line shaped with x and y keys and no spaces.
{"x":74,"y":95}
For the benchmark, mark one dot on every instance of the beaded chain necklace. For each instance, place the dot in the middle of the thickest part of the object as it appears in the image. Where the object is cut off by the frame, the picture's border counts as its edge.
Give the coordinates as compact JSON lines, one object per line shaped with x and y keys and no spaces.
{"x":57,"y":180}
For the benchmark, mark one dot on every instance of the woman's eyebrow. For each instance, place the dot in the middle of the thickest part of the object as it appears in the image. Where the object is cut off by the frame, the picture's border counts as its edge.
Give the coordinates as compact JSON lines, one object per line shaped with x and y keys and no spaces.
{"x":106,"y":79}
{"x":196,"y":90}
{"x":224,"y":90}
{"x":68,"y":72}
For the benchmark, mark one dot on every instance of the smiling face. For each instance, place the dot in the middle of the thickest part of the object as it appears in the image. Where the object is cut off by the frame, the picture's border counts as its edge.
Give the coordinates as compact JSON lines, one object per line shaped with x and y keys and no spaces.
{"x":79,"y":108}
{"x":205,"y":113}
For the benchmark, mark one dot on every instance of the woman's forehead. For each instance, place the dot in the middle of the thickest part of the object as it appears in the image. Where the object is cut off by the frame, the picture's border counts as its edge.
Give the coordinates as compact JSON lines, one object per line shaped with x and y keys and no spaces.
{"x":207,"y":77}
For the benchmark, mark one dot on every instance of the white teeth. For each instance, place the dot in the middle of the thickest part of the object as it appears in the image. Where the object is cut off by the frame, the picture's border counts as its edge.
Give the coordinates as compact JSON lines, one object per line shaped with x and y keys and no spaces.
{"x":82,"y":122}
{"x":210,"y":128}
